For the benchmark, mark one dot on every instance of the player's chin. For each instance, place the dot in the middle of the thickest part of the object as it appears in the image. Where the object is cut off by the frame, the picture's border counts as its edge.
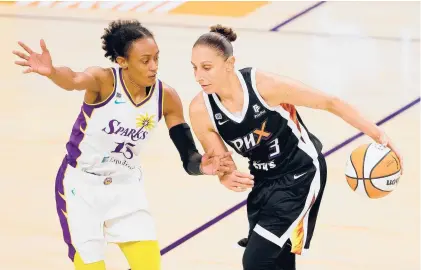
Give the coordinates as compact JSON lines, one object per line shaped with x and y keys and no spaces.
{"x":208,"y":89}
{"x":150,"y":80}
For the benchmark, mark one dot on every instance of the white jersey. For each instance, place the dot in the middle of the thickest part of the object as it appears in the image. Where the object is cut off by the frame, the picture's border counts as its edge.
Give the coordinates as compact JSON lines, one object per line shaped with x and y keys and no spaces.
{"x":106,"y":138}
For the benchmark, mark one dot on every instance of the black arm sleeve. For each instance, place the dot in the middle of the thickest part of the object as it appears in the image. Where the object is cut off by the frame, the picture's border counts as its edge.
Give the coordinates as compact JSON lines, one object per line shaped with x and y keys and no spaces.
{"x":183,"y":140}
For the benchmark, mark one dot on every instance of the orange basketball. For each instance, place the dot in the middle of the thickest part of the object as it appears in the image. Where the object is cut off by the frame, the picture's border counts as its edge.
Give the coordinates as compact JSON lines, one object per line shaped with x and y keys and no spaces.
{"x":373,"y":170}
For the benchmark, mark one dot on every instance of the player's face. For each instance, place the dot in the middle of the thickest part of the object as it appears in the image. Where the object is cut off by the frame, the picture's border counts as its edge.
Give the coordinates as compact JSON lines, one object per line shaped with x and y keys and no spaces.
{"x":143,"y":61}
{"x":210,"y":68}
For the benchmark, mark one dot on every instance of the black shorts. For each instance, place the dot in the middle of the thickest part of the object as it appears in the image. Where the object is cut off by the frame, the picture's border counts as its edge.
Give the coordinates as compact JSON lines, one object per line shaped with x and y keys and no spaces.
{"x":285,"y":210}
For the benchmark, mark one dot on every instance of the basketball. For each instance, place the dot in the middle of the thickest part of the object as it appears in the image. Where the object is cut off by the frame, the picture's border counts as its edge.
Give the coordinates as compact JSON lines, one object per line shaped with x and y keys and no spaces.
{"x":373,"y":170}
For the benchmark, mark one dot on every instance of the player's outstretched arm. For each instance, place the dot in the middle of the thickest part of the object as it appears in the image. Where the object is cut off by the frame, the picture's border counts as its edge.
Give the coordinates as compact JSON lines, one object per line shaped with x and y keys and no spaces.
{"x":64,"y":77}
{"x":277,"y":89}
{"x":212,"y":142}
{"x":193,"y":162}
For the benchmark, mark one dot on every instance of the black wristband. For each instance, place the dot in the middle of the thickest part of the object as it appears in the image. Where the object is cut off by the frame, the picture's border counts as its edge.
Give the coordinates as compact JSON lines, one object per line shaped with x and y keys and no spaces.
{"x":193,"y":164}
{"x":183,"y":141}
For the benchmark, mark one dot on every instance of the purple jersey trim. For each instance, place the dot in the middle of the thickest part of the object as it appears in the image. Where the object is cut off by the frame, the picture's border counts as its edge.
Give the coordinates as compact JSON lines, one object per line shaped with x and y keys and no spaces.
{"x":128,"y":94}
{"x":61,"y":207}
{"x":160,"y":100}
{"x":105,"y":102}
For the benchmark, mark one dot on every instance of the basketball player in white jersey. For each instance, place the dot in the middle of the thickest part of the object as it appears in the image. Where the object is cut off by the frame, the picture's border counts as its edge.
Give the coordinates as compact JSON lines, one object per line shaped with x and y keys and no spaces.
{"x":254,"y":112}
{"x":100,"y":187}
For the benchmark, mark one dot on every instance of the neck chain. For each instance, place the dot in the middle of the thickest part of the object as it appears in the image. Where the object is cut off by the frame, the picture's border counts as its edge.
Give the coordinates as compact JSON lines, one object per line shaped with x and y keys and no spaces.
{"x":133,"y":82}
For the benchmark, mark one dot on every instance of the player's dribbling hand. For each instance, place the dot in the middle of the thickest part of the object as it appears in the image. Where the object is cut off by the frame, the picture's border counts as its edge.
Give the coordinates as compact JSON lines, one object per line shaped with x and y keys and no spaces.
{"x":238,"y":181}
{"x":385,"y":141}
{"x":217,"y":164}
{"x":38,"y":63}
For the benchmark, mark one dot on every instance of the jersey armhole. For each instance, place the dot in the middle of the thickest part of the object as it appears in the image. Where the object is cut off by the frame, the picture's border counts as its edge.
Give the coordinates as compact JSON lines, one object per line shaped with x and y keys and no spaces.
{"x":110,"y":96}
{"x":256,"y":92}
{"x":279,"y":109}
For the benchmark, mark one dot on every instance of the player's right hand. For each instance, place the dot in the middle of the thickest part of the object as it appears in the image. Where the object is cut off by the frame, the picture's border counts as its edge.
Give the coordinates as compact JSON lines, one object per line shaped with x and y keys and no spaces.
{"x":237,"y":181}
{"x":385,"y":141}
{"x":37,"y":63}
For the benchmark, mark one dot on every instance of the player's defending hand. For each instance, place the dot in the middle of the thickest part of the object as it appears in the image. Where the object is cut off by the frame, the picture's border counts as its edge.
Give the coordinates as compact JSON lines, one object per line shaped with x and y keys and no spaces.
{"x":216,"y":164}
{"x":38,"y":63}
{"x":237,"y":181}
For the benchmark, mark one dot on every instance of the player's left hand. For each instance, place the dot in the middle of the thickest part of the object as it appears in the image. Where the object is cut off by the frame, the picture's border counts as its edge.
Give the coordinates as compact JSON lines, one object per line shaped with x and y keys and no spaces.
{"x":217,"y":164}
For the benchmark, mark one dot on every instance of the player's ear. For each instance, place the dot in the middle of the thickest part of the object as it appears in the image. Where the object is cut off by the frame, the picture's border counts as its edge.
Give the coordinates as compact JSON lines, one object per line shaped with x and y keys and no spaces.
{"x":122,"y":62}
{"x":230,"y":63}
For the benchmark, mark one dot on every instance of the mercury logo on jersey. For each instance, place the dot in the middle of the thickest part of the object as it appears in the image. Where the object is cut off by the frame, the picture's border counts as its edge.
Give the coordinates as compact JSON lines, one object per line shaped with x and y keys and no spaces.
{"x":252,"y":139}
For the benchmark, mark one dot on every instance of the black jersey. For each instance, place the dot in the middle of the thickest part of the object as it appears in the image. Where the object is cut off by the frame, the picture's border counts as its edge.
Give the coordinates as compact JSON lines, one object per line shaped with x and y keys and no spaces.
{"x":272,"y":138}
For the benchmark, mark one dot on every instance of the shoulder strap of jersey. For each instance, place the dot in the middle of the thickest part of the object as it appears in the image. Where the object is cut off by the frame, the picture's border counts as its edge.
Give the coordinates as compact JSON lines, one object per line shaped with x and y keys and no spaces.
{"x":160,"y":99}
{"x":115,"y":78}
{"x":246,"y":72}
{"x":247,"y":76}
{"x":250,"y":77}
{"x":207,"y":98}
{"x":118,"y":83}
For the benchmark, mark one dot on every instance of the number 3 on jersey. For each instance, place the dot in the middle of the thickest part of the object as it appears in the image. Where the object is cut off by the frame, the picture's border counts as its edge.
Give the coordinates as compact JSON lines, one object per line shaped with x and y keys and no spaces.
{"x":127,"y":152}
{"x":275,"y":145}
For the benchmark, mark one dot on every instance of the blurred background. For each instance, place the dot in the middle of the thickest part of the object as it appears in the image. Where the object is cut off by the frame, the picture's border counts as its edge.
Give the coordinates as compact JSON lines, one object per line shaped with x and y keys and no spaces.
{"x":367,"y":53}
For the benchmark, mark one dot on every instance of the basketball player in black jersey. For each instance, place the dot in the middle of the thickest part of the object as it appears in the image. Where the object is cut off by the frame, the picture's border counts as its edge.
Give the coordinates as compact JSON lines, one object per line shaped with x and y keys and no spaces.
{"x":254,"y":112}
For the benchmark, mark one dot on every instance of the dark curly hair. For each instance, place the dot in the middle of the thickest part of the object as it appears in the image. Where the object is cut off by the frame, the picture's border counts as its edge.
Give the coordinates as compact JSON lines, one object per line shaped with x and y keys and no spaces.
{"x":220,"y":38}
{"x":119,"y":36}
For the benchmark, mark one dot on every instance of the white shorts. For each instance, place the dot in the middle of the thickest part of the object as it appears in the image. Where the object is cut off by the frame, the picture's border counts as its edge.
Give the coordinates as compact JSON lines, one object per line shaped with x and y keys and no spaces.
{"x":99,"y":210}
